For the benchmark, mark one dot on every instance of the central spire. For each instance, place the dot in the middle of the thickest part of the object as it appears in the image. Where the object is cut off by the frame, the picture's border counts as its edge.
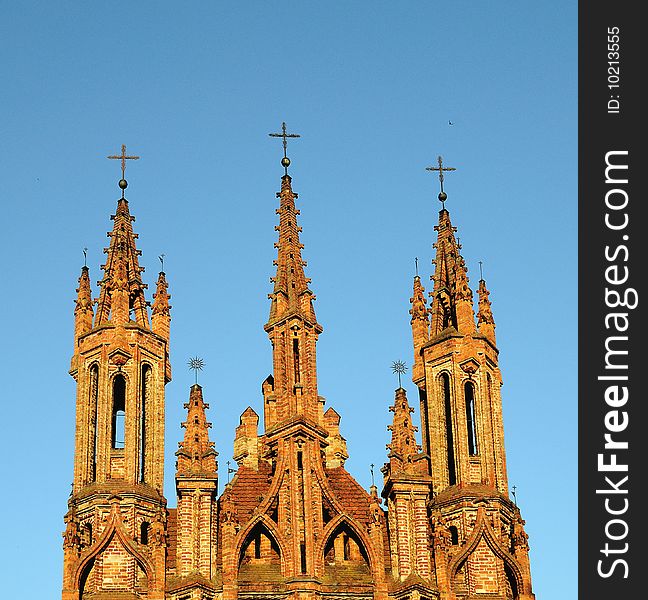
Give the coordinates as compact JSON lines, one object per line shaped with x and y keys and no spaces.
{"x":291,"y":295}
{"x":292,"y":326}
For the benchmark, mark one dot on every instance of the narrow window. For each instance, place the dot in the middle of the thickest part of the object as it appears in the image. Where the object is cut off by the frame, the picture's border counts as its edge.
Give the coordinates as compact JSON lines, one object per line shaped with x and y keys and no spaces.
{"x":86,"y":534}
{"x":302,"y":552}
{"x":296,"y":360}
{"x":424,"y":421}
{"x":118,"y":411}
{"x":144,"y":533}
{"x":445,"y":385}
{"x":300,"y":461}
{"x":92,"y":434}
{"x":145,"y":399}
{"x":469,"y":392}
{"x":454,"y":535}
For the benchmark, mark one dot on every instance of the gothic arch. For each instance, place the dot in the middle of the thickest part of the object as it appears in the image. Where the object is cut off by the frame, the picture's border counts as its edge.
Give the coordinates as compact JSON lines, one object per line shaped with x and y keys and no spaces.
{"x":268,"y":528}
{"x":483,"y":530}
{"x":114,"y":527}
{"x":334,"y":526}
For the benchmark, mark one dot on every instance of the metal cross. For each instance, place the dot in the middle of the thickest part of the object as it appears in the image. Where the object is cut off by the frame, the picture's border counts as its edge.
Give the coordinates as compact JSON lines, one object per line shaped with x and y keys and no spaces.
{"x":284,"y":135}
{"x":441,"y":169}
{"x":372,"y":473}
{"x":285,"y":161}
{"x":514,"y":496}
{"x":123,"y":159}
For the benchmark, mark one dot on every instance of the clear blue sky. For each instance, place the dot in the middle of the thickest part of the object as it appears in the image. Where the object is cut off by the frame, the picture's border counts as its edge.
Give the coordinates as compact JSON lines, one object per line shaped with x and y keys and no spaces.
{"x":194,"y":88}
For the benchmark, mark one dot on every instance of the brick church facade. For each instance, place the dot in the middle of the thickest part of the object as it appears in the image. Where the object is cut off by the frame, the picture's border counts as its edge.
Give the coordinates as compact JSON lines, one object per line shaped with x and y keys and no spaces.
{"x":292,"y":523}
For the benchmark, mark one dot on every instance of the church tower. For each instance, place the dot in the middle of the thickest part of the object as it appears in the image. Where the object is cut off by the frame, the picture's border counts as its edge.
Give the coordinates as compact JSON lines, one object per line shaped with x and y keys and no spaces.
{"x":292,"y":516}
{"x":479,"y":542}
{"x":115,"y":535}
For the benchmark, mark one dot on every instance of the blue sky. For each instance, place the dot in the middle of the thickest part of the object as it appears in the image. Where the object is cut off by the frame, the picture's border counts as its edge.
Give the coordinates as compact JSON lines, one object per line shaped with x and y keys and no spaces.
{"x":194,"y":89}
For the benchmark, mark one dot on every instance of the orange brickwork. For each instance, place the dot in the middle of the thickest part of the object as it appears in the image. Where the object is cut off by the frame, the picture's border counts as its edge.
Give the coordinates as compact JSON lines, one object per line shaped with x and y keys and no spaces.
{"x":292,"y":523}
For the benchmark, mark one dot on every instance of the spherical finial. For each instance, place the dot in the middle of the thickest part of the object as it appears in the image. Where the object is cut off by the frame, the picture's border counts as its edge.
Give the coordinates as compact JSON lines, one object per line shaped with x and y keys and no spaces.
{"x":123,"y":184}
{"x":285,"y":162}
{"x":443,"y":196}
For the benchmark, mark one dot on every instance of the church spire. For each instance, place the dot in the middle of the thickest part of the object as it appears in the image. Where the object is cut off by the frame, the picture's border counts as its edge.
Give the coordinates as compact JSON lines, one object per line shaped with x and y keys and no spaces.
{"x":420,"y":326}
{"x":161,"y":316}
{"x":196,"y":453}
{"x":452,"y":297}
{"x":122,"y":289}
{"x":291,"y":294}
{"x":83,"y":312}
{"x":403,"y":447}
{"x":291,"y":392}
{"x":485,"y":320}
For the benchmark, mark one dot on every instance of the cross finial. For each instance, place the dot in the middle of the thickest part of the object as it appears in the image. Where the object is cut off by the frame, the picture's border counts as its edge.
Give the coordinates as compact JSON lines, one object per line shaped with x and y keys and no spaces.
{"x":442,"y":195}
{"x":514,"y":496}
{"x":123,"y":184}
{"x":371,"y":466}
{"x":416,"y":265}
{"x":285,"y":161}
{"x":481,"y":275}
{"x":161,"y":257}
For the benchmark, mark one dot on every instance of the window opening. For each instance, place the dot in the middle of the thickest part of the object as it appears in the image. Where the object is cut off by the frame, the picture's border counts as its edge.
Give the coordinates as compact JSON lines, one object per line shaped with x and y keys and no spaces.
{"x":119,"y":412}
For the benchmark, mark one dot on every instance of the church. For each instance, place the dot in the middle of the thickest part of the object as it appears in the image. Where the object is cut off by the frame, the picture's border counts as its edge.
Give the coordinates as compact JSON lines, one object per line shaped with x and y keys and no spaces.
{"x":292,"y":523}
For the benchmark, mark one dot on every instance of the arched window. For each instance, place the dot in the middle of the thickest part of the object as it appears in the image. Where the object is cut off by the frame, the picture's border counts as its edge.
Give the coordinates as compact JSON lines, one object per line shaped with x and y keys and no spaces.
{"x":92,"y":430}
{"x":344,"y":553}
{"x":145,"y":399}
{"x":445,"y":391}
{"x":469,"y":393}
{"x":118,"y":412}
{"x":260,"y":555}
